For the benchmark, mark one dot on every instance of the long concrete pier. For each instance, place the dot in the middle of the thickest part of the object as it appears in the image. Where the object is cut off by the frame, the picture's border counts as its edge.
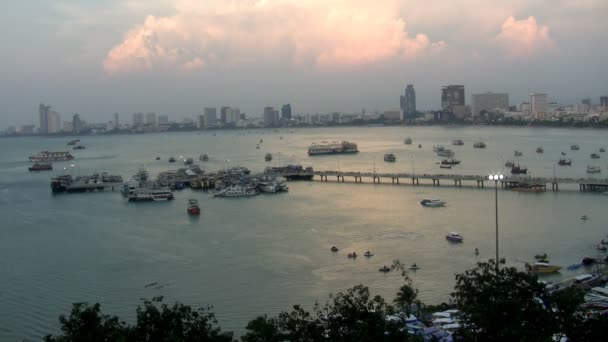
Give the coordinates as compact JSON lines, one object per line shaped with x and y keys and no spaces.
{"x":479,"y":181}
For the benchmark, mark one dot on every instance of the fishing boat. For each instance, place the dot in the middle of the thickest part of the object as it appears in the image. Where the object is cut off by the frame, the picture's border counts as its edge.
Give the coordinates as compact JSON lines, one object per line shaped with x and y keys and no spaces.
{"x":593,"y":169}
{"x":542,"y":268}
{"x":595,"y":156}
{"x":516,"y":169}
{"x":445,"y":153}
{"x":540,"y":150}
{"x":390,"y":157}
{"x":432,"y":203}
{"x":450,"y":162}
{"x":479,"y":144}
{"x":602,"y":149}
{"x":454,"y":237}
{"x":334,"y":249}
{"x":268,"y":157}
{"x":509,"y":164}
{"x":41,"y":167}
{"x":368,"y":254}
{"x":517,"y":153}
{"x":193,"y":208}
{"x":574,"y":147}
{"x":564,"y":162}
{"x":458,"y":142}
{"x":442,"y":166}
{"x":171,"y":160}
{"x":408,"y":141}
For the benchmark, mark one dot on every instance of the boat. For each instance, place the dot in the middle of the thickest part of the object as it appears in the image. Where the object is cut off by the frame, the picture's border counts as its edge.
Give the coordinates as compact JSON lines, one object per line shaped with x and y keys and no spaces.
{"x":408,"y":141}
{"x":602,"y":149}
{"x":48,"y":156}
{"x":171,"y":160}
{"x":516,"y":169}
{"x":188,"y":161}
{"x":414,"y":267}
{"x":79,"y":147}
{"x":601,"y":248}
{"x":584,"y":217}
{"x":604,"y":242}
{"x":454,"y":237}
{"x":261,"y":141}
{"x":438,"y":148}
{"x":368,"y":254}
{"x":73,"y":142}
{"x":593,"y":169}
{"x":149,"y":195}
{"x":563,"y":153}
{"x":352,"y":255}
{"x":157,"y":158}
{"x":458,"y":142}
{"x":268,"y":157}
{"x":257,"y":146}
{"x":332,"y":148}
{"x":479,"y":144}
{"x":334,"y":249}
{"x":193,"y":208}
{"x":419,"y":146}
{"x":445,"y":153}
{"x":203,"y":157}
{"x":518,"y":153}
{"x":595,"y":156}
{"x":542,"y":267}
{"x":574,"y":147}
{"x":268,"y":187}
{"x":540,"y":150}
{"x":450,"y":162}
{"x":509,"y":163}
{"x":236,"y":191}
{"x":541,"y":256}
{"x":389,"y":157}
{"x":432,"y":203}
{"x":442,"y":166}
{"x":384,"y":269}
{"x":587,"y":261}
{"x":526,"y":187}
{"x":564,"y":162}
{"x":41,"y":167}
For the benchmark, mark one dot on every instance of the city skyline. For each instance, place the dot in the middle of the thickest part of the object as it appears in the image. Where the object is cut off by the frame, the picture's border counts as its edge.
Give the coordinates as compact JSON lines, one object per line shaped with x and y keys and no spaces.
{"x":327,"y":56}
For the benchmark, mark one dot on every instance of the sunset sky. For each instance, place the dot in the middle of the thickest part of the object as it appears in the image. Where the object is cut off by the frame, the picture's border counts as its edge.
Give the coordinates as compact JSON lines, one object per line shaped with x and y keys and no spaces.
{"x":175,"y":57}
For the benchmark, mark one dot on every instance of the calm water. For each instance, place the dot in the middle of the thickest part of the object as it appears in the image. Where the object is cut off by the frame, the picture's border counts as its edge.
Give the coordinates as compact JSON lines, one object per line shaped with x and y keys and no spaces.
{"x":262,"y":255}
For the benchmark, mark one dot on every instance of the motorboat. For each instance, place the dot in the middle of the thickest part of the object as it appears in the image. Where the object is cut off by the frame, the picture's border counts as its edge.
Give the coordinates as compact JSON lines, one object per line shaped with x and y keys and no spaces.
{"x":601,"y":247}
{"x":414,"y":267}
{"x":602,"y":149}
{"x":458,"y":142}
{"x":268,"y":157}
{"x":584,"y":217}
{"x":433,"y":203}
{"x":517,"y":153}
{"x":564,"y":162}
{"x":41,"y":167}
{"x":368,"y":254}
{"x":479,"y":144}
{"x":541,"y":256}
{"x":542,"y":268}
{"x":79,"y":147}
{"x":454,"y":237}
{"x":593,"y":169}
{"x":540,"y":150}
{"x":443,"y":166}
{"x":334,"y":249}
{"x":236,"y":191}
{"x":595,"y":156}
{"x":203,"y":157}
{"x":450,"y":162}
{"x":150,"y":195}
{"x":438,"y":148}
{"x":408,"y":141}
{"x":171,"y":160}
{"x":384,"y":269}
{"x":389,"y":157}
{"x":188,"y":161}
{"x":509,"y":164}
{"x":157,"y":158}
{"x":516,"y":169}
{"x":445,"y":153}
{"x":193,"y":208}
{"x":73,"y":142}
{"x":352,"y":255}
{"x":574,"y":147}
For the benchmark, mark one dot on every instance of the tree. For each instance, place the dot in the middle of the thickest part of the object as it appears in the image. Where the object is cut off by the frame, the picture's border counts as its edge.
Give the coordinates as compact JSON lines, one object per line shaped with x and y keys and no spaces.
{"x":87,"y":323}
{"x":501,"y":304}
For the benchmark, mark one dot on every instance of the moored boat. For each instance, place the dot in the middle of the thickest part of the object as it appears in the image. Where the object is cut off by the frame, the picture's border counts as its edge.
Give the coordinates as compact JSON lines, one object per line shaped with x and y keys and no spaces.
{"x":445,"y":153}
{"x":454,"y":237}
{"x":450,"y":162}
{"x":574,"y":147}
{"x":407,"y":141}
{"x":41,"y":167}
{"x":188,"y":161}
{"x":593,"y":169}
{"x":268,"y":157}
{"x":48,"y":156}
{"x":193,"y":208}
{"x":433,"y":203}
{"x":479,"y":144}
{"x":236,"y":191}
{"x":332,"y":148}
{"x":564,"y":162}
{"x":516,"y":169}
{"x":203,"y":157}
{"x":517,"y":153}
{"x":389,"y":157}
{"x":542,"y":268}
{"x":540,"y":150}
{"x":150,"y":195}
{"x":594,"y":156}
{"x":458,"y":142}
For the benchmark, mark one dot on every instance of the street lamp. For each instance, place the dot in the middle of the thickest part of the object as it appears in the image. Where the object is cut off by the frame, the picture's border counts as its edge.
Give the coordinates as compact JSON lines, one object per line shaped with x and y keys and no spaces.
{"x":496,"y":178}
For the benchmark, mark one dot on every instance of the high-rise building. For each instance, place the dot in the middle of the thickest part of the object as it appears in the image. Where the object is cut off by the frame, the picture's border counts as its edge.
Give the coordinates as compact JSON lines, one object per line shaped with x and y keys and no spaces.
{"x":27,"y":129}
{"x":408,"y":102}
{"x":116,"y":122}
{"x":224,"y":114}
{"x":604,"y":101}
{"x":451,"y":96}
{"x":151,"y":119}
{"x":269,"y":116}
{"x":163,"y":120}
{"x":488,"y":101}
{"x":54,"y":122}
{"x":235,"y":114}
{"x":76,"y":123}
{"x":138,"y":119}
{"x":586,"y":102}
{"x":210,"y":117}
{"x":538,"y":105}
{"x":286,"y":112}
{"x":43,"y":112}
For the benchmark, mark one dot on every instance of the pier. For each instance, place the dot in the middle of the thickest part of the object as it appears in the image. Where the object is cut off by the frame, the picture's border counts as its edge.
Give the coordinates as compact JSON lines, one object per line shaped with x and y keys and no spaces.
{"x":478,"y":181}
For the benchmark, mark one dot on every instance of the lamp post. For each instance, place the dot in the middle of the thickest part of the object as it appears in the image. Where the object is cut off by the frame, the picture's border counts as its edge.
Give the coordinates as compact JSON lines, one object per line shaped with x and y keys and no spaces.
{"x":496,"y":178}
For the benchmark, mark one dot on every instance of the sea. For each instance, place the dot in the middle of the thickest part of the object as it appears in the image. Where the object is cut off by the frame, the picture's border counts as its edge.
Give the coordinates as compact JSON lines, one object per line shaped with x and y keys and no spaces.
{"x":252,"y":256}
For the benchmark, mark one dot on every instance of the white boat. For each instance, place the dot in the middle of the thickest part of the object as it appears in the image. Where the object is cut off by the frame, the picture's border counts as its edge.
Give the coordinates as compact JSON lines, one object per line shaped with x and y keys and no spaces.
{"x":445,"y":153}
{"x":236,"y":191}
{"x":453,"y":236}
{"x":149,"y":195}
{"x":593,"y":169}
{"x":433,"y":203}
{"x":438,"y":148}
{"x":48,"y":156}
{"x":390,"y":157}
{"x":574,"y":147}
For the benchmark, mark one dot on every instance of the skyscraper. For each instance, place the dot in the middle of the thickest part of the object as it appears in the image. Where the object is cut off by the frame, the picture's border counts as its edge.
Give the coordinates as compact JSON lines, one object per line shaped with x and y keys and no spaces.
{"x":604,"y":101}
{"x":408,"y":102}
{"x":489,"y":101}
{"x":452,"y":95}
{"x":76,"y":123}
{"x":138,"y":119}
{"x":286,"y":112}
{"x":538,"y":105}
{"x":210,"y":117}
{"x":43,"y":112}
{"x":268,"y":116}
{"x":224,"y":114}
{"x":151,"y":119}
{"x":54,"y":122}
{"x":116,"y":123}
{"x":163,"y":120}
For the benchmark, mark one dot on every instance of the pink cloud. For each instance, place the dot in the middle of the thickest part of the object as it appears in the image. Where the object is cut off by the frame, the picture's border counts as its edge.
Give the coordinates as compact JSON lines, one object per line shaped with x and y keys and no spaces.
{"x":523,"y":38}
{"x":322,"y":33}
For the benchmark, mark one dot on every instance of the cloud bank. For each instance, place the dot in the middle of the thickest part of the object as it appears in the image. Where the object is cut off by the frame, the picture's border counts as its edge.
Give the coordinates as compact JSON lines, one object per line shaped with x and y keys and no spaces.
{"x":523,"y":38}
{"x":320,"y":33}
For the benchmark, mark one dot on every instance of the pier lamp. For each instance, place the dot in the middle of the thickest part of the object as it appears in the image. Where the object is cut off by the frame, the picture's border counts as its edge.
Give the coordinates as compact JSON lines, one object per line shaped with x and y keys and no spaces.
{"x":496,"y":178}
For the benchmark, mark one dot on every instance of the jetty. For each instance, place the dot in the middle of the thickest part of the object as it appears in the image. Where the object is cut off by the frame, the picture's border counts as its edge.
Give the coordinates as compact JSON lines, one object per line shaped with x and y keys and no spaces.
{"x":479,"y":181}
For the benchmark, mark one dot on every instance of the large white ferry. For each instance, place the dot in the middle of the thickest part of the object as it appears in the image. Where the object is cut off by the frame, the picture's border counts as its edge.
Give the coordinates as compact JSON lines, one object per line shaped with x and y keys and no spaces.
{"x":149,"y":195}
{"x":236,"y":191}
{"x":332,"y":148}
{"x":47,"y":156}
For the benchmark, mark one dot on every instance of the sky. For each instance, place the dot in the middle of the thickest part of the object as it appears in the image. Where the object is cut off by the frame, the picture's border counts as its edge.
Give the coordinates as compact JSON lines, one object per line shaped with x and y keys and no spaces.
{"x":177,"y":57}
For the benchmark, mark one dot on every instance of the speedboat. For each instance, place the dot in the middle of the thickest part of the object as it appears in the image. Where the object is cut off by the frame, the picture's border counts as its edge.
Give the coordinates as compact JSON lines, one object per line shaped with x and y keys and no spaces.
{"x":385,"y":269}
{"x":389,"y":157}
{"x":334,"y":249}
{"x":450,"y":162}
{"x":454,"y":237}
{"x":433,"y":203}
{"x":565,"y":162}
{"x":574,"y":147}
{"x":542,"y":267}
{"x":595,"y":156}
{"x":193,"y":208}
{"x":369,"y":254}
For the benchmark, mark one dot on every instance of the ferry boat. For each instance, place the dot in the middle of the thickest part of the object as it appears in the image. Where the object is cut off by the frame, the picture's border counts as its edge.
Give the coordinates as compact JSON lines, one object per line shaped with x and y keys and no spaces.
{"x":479,"y":144}
{"x":46,"y":156}
{"x":564,"y":162}
{"x":516,"y":169}
{"x":542,"y":267}
{"x":518,"y":153}
{"x":593,"y":169}
{"x":450,"y":162}
{"x":389,"y":157}
{"x":595,"y":156}
{"x":458,"y":142}
{"x":203,"y":157}
{"x":574,"y":147}
{"x":332,"y":148}
{"x":41,"y":167}
{"x":268,"y":157}
{"x":150,"y":195}
{"x":408,"y":141}
{"x":433,"y":203}
{"x":454,"y":237}
{"x":540,"y":150}
{"x":193,"y":208}
{"x":236,"y":191}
